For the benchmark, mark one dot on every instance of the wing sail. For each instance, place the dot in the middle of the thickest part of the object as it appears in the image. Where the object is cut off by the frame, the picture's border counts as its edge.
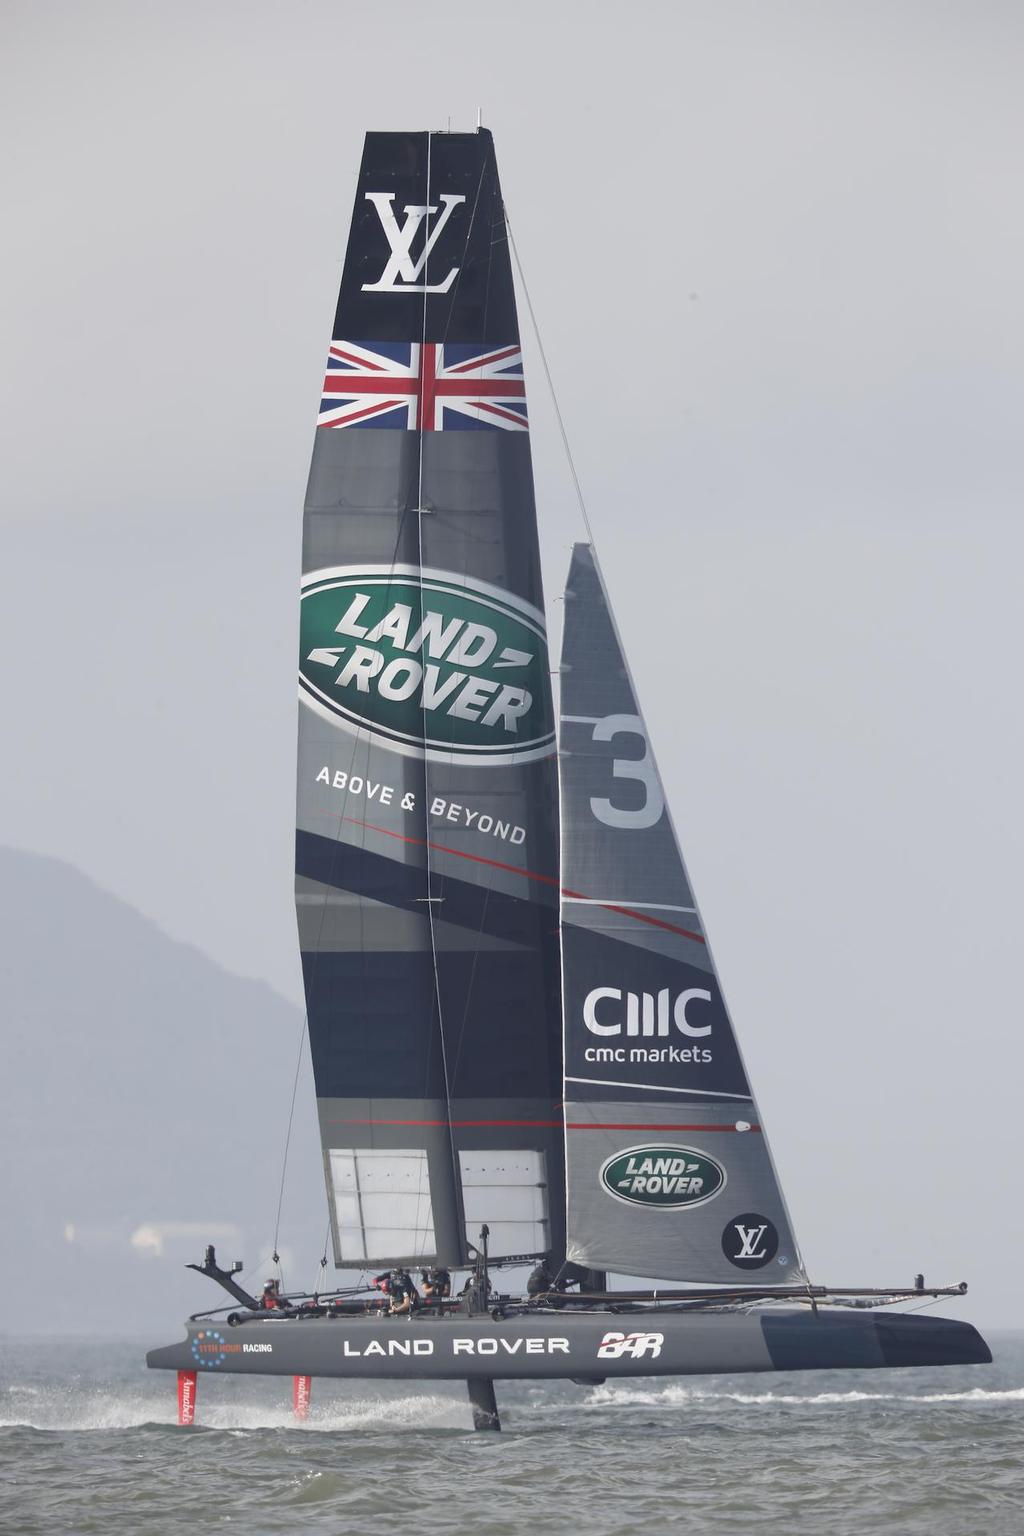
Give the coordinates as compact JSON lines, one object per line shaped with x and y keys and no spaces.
{"x":427,"y":841}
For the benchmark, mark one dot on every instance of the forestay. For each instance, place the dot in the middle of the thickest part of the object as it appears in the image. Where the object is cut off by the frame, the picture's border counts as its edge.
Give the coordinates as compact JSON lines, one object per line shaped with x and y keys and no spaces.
{"x":668,"y":1169}
{"x":426,"y":853}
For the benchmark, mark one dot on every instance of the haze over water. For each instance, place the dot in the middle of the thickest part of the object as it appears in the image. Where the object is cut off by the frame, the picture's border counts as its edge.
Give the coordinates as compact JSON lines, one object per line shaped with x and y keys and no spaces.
{"x":88,"y":1443}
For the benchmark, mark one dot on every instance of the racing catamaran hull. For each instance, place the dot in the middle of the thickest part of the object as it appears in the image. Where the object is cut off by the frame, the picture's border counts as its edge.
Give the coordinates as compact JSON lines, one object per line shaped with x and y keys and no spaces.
{"x":533,"y":1348}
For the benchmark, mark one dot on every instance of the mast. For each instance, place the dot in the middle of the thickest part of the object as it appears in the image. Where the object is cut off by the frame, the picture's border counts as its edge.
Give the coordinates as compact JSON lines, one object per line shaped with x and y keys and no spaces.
{"x":427,"y":841}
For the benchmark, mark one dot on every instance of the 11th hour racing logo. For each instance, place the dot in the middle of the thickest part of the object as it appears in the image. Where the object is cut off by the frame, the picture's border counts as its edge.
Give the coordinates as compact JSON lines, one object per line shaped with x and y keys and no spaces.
{"x":429,"y":663}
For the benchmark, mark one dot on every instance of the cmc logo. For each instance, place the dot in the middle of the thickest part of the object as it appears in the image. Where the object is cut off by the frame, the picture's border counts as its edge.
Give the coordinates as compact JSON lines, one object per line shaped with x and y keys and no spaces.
{"x":645,"y":1013}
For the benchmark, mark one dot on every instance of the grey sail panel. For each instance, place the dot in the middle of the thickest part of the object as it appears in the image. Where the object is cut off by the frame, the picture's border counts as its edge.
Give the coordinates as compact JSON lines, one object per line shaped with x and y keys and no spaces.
{"x":427,"y":809}
{"x":493,"y":831}
{"x":668,"y":1169}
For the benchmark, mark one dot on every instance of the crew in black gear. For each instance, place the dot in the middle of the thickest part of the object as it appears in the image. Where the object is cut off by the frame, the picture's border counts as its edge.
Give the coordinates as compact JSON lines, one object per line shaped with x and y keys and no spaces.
{"x":545,"y":1279}
{"x":402,"y":1294}
{"x":436,"y":1282}
{"x":542,"y":1279}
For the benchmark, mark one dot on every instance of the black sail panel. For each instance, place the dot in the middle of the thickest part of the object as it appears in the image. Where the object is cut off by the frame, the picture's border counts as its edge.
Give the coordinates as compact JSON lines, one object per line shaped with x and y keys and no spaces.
{"x":668,"y":1169}
{"x":427,"y":842}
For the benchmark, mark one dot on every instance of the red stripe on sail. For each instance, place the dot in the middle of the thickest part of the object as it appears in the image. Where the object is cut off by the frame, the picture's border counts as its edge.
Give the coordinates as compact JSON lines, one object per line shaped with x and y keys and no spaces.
{"x":515,"y":869}
{"x":573,"y":1125}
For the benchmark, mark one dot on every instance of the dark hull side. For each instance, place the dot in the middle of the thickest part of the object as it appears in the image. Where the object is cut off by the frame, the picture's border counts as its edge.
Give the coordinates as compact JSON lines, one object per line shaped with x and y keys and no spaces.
{"x":425,"y":1348}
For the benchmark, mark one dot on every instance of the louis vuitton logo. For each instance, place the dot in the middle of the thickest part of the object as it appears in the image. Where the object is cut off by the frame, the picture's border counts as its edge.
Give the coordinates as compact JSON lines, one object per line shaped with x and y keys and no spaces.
{"x":750,"y":1239}
{"x":402,"y":272}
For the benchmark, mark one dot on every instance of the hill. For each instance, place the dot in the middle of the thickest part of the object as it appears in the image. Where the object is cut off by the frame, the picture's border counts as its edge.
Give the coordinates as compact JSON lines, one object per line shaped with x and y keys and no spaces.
{"x":143,"y":1109}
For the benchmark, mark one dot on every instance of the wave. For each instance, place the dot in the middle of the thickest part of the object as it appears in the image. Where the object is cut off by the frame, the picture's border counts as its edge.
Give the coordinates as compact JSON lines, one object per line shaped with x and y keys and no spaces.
{"x":105,"y":1409}
{"x":671,"y":1396}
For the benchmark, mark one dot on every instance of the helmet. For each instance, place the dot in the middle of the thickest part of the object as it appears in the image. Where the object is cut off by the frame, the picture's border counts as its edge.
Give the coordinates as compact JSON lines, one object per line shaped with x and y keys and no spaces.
{"x":270,"y":1285}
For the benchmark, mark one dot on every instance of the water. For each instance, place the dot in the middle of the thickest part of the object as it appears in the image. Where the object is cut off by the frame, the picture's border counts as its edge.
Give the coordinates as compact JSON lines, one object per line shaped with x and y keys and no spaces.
{"x":88,"y":1443}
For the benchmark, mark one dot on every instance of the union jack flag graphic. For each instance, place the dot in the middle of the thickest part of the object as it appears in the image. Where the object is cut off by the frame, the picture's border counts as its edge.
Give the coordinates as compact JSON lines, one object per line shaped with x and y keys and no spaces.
{"x":436,"y":387}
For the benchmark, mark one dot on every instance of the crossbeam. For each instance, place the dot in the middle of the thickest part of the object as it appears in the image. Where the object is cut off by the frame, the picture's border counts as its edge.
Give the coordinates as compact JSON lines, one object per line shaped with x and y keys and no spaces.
{"x":751,"y":1293}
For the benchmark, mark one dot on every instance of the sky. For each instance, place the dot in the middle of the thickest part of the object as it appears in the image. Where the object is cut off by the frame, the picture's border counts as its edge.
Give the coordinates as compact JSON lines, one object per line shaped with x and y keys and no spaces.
{"x":774,"y":250}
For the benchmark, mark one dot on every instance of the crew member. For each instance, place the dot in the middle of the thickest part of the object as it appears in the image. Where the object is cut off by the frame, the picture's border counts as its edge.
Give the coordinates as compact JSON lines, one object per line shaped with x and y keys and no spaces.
{"x":380,"y":1283}
{"x":271,"y":1298}
{"x":402,"y":1294}
{"x":436,"y":1282}
{"x":542,"y":1279}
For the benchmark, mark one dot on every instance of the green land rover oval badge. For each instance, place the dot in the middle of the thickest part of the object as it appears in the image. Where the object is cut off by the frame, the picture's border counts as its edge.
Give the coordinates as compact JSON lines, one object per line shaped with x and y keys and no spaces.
{"x":430,"y":663}
{"x":666,"y":1178}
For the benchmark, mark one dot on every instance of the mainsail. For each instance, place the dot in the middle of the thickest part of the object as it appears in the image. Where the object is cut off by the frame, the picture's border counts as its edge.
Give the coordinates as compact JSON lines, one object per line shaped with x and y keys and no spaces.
{"x":668,"y":1169}
{"x":427,"y":839}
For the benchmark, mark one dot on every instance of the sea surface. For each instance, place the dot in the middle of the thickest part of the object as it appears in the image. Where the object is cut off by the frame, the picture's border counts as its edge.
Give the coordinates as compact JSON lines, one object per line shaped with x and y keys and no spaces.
{"x":88,"y":1442}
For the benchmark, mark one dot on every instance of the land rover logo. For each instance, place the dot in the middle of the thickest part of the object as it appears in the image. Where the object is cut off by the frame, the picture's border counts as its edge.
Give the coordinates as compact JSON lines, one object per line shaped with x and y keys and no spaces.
{"x":665,"y":1177}
{"x":432,"y":663}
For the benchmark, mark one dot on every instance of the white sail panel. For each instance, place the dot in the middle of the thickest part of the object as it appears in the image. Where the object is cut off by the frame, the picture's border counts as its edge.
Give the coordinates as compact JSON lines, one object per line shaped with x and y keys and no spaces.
{"x":509,"y":1191}
{"x":381,"y":1202}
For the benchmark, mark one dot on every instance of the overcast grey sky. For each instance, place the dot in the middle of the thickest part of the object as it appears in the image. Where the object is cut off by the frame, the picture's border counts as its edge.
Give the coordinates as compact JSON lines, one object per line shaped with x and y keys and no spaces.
{"x":775,"y":251}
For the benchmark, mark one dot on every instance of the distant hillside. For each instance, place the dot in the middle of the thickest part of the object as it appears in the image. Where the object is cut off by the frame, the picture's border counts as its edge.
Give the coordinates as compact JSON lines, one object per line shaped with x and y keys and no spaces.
{"x":143,"y":1104}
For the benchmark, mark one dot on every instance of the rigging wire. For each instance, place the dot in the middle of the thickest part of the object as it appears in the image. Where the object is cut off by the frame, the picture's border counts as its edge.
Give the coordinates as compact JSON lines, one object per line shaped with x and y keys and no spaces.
{"x":259,"y":1268}
{"x":550,"y":381}
{"x":581,"y":501}
{"x":321,"y":1274}
{"x":288,"y":1140}
{"x":583,"y":513}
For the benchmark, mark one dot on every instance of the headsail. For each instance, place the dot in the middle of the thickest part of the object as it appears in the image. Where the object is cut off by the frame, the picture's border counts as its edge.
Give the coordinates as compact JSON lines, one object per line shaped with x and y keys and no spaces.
{"x":668,"y":1169}
{"x":426,"y":852}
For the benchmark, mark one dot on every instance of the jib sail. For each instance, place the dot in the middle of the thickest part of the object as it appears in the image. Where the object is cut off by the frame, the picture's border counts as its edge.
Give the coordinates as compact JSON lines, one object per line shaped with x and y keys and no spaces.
{"x":668,"y":1169}
{"x":427,"y":842}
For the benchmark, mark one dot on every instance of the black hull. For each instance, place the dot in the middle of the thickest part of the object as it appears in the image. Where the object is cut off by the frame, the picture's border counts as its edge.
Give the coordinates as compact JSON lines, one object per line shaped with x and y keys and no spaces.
{"x":574,"y":1345}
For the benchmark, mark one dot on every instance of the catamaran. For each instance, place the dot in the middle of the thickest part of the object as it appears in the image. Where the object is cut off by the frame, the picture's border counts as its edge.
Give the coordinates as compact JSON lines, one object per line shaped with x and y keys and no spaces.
{"x":519,"y":1040}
